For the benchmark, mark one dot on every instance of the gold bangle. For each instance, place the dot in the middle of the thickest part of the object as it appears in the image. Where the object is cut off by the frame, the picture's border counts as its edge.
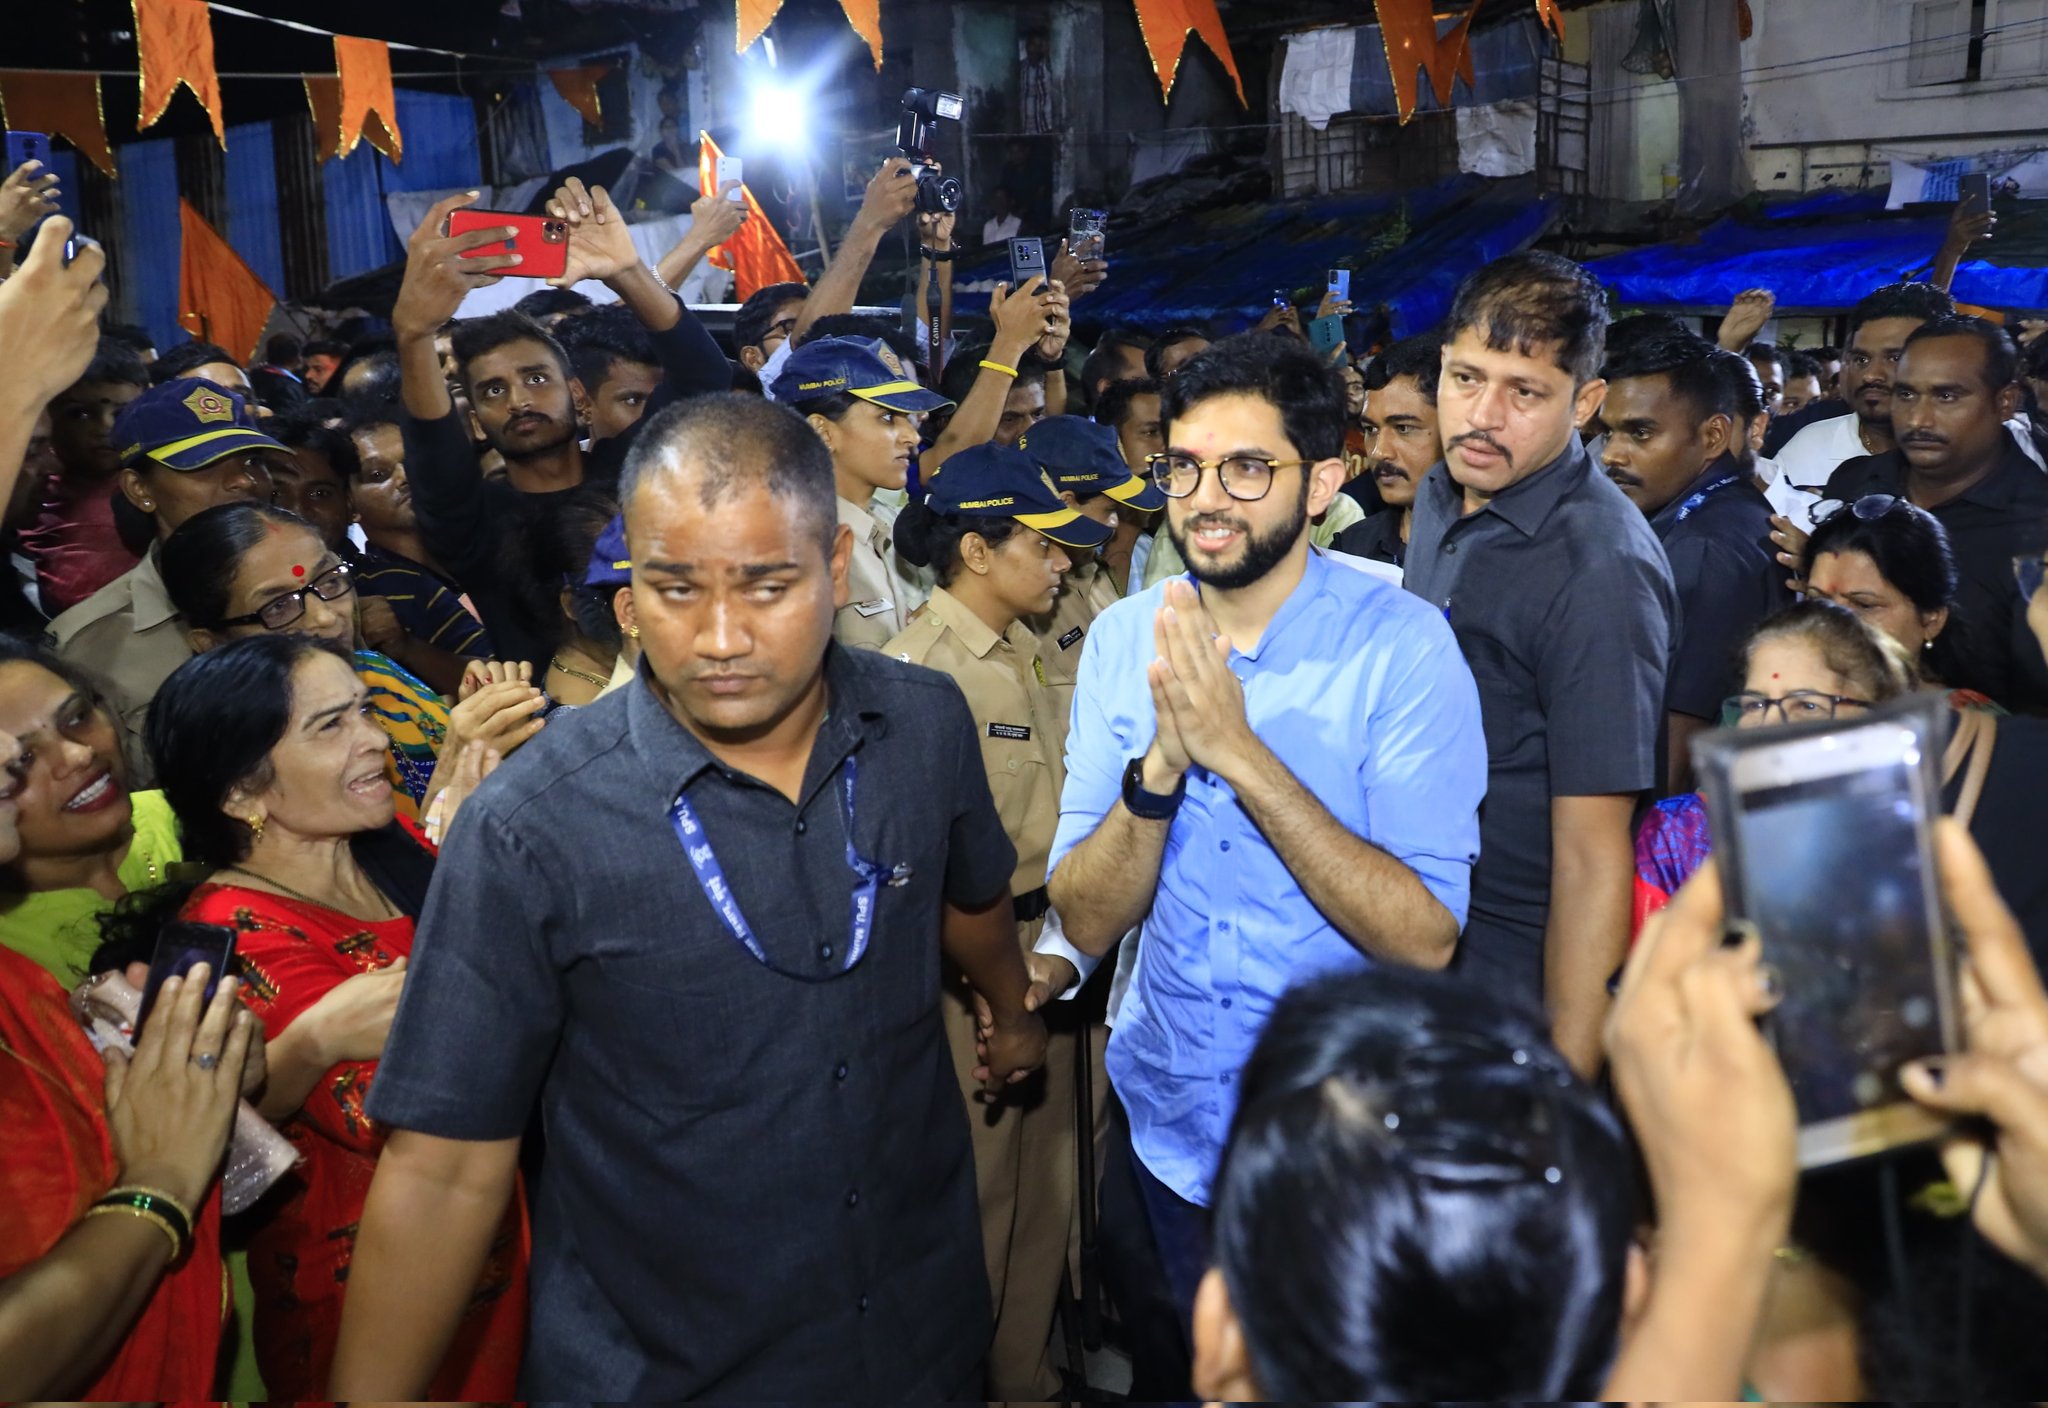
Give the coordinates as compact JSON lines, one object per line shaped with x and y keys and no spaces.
{"x":177,"y":1245}
{"x":176,"y":1205}
{"x":999,"y":367}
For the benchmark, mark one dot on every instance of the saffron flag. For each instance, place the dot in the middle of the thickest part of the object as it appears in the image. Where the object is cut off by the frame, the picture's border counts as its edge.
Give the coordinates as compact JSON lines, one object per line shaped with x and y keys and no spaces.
{"x":754,"y":17}
{"x":368,"y":106}
{"x":175,"y":39}
{"x":578,"y":87}
{"x":1408,"y":30}
{"x":220,"y":299}
{"x":756,"y":255}
{"x":323,"y":97}
{"x":1166,"y":24}
{"x":66,"y":105}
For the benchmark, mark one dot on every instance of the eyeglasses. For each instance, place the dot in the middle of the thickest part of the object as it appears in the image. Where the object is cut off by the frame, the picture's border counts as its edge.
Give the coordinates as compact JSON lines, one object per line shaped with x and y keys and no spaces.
{"x":281,"y":611}
{"x":782,"y":326}
{"x":1801,"y":706}
{"x":1243,"y":477}
{"x":1867,"y":508}
{"x":2029,"y":569}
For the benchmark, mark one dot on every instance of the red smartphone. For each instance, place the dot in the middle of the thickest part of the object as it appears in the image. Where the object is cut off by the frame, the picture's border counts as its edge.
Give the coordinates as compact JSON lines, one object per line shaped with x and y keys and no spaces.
{"x":541,"y":243}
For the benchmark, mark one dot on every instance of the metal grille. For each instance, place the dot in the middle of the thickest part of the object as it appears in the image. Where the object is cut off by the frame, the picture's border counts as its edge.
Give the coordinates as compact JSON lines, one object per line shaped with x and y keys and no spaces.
{"x":1563,"y":120}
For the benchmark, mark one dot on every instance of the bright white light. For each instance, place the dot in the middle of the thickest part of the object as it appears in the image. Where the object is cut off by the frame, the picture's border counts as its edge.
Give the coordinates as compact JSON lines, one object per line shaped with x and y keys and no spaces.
{"x":778,"y":118}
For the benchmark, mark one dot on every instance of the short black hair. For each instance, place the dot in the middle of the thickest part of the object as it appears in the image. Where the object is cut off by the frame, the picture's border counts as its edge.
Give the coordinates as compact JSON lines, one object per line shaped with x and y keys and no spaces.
{"x":924,"y":537}
{"x":282,"y":347}
{"x":732,"y":441}
{"x":201,"y":558}
{"x":1114,"y":404}
{"x":1798,"y":365}
{"x":604,"y":336}
{"x":1179,"y":332}
{"x":1825,"y":353}
{"x":882,"y":330}
{"x":1421,"y":357}
{"x":1412,"y":1165}
{"x":186,"y":357}
{"x":1764,"y":352}
{"x":2001,"y":356}
{"x":115,"y":362}
{"x":1106,"y":356}
{"x":299,"y":431}
{"x":379,"y":389}
{"x":474,"y":337}
{"x":1535,"y":299}
{"x":1307,"y":391}
{"x":1902,"y":300}
{"x":131,"y":335}
{"x":324,"y":347}
{"x":546,"y":302}
{"x":1741,"y":385}
{"x":1685,"y":361}
{"x":757,"y":314}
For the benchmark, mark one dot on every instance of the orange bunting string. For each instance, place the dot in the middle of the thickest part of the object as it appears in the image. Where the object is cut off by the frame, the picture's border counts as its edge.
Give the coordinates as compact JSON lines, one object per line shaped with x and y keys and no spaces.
{"x":175,"y":40}
{"x":1408,"y":31}
{"x":754,"y":17}
{"x":323,"y":99}
{"x":64,"y":105}
{"x":1166,"y":25}
{"x":220,"y":298}
{"x":368,"y":107}
{"x":578,"y":88}
{"x":756,"y":255}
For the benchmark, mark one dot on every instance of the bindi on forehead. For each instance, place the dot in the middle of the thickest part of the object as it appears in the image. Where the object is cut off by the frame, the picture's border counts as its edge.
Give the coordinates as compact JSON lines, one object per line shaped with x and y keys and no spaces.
{"x":297,"y":570}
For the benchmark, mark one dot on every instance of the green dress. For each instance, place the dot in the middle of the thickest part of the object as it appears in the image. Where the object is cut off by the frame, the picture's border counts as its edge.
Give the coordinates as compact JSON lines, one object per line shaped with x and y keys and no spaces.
{"x":58,"y":929}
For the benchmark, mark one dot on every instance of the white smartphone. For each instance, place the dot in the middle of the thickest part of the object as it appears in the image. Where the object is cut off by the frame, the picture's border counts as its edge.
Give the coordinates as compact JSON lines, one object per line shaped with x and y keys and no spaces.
{"x":729,"y":170}
{"x":1826,"y":847}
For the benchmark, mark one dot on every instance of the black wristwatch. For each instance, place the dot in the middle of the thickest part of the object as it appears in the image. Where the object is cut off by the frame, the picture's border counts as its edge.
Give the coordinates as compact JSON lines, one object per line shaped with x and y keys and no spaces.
{"x":1150,"y":806}
{"x":938,"y":256}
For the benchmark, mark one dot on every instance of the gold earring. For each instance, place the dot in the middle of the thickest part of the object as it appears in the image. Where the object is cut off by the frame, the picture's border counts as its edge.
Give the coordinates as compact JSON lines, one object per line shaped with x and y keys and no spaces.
{"x":255,"y":829}
{"x":633,"y":631}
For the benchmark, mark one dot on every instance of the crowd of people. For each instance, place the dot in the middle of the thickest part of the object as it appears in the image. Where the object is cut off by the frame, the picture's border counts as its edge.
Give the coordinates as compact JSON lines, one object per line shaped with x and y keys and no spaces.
{"x":769,"y":871}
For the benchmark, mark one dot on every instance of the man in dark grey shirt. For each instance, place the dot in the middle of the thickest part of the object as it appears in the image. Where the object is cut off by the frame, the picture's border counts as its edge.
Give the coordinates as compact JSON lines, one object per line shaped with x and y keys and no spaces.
{"x":1563,"y":603}
{"x":700,"y":923}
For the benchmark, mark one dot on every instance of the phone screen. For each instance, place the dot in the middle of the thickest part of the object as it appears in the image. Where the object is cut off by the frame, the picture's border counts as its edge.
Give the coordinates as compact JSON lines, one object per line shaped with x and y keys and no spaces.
{"x":1085,"y":237}
{"x":1833,"y":871}
{"x":178,"y":949}
{"x":730,"y":169}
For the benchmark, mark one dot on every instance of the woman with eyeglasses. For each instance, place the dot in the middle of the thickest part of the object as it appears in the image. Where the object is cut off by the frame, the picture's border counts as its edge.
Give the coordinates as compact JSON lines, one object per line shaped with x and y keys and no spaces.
{"x":248,"y":570}
{"x":273,"y":762}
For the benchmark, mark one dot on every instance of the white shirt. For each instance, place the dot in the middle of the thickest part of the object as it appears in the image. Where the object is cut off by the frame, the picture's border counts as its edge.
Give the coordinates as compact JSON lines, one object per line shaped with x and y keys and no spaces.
{"x":996,"y":231}
{"x":1786,"y":501}
{"x":1816,"y":452}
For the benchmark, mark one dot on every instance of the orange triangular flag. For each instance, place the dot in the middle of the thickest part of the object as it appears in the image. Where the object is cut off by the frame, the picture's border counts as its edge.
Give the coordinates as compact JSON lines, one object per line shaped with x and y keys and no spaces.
{"x":578,"y":87}
{"x":323,"y":97}
{"x":1408,"y":31}
{"x":220,"y":299}
{"x":756,"y":255}
{"x":1166,"y":24}
{"x":1549,"y":14}
{"x":63,"y":104}
{"x":368,"y":106}
{"x":175,"y":39}
{"x":754,"y":17}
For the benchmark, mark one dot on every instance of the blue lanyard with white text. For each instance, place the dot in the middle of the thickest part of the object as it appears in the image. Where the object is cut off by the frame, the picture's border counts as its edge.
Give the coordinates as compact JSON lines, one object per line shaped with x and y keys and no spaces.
{"x":1685,"y":510}
{"x":711,"y":876}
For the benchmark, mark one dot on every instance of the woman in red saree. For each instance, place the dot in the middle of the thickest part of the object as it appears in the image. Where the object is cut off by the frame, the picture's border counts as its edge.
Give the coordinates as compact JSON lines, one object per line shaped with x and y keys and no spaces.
{"x":267,"y":753}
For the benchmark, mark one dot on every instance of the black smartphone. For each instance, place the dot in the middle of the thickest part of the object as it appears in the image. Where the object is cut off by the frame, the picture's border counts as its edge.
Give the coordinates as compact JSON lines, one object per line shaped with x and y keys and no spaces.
{"x":25,"y":147}
{"x":1826,"y":846}
{"x":1281,"y":300}
{"x":179,"y":947}
{"x":1975,"y":189}
{"x":1027,"y":261}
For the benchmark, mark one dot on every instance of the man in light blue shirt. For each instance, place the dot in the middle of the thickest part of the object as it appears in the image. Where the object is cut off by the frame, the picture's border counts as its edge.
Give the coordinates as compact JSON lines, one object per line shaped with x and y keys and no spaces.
{"x":1277,"y":775}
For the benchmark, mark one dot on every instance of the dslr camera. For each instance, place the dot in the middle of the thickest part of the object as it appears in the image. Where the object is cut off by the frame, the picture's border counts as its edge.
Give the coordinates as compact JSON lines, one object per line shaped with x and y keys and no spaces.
{"x":923,"y":110}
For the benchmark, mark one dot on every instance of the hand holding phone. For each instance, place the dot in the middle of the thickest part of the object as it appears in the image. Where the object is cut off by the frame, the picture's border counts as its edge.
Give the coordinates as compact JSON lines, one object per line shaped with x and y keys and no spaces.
{"x":731,"y":172}
{"x":1087,"y":233}
{"x":1027,"y":260}
{"x":28,"y":188}
{"x":541,"y":242}
{"x":180,"y":947}
{"x":441,"y":267}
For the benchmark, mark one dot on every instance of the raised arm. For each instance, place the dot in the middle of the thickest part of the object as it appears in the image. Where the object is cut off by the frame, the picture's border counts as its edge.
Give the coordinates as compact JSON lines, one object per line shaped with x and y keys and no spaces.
{"x":891,"y":196}
{"x":1021,"y":320}
{"x":49,"y":323}
{"x":714,"y":218}
{"x":1967,"y":224}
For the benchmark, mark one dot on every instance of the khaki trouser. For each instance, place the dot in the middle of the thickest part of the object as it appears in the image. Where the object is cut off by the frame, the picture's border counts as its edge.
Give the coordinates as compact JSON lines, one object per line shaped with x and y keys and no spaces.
{"x":1024,"y":1170}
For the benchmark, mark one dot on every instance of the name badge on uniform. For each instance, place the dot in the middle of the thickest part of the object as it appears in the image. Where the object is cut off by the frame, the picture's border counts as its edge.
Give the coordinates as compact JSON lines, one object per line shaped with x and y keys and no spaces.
{"x":875,"y":607}
{"x":1017,"y":731}
{"x":1067,"y":640}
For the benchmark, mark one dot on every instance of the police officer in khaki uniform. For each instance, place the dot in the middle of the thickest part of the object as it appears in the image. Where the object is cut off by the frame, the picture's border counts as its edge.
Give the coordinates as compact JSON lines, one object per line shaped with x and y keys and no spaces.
{"x":1087,"y":467}
{"x":1001,"y":538}
{"x":867,"y":415}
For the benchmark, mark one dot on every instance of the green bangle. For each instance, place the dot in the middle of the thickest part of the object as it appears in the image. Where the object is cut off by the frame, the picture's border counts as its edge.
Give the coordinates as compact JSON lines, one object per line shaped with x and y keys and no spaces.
{"x":147,"y":1215}
{"x":154,"y":1204}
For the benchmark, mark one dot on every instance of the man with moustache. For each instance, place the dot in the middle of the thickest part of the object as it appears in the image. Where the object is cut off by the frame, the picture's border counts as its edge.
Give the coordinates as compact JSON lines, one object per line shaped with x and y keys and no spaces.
{"x":1676,"y":444}
{"x":1956,"y":384}
{"x":1401,"y":443}
{"x":524,"y":394}
{"x":1562,"y":600}
{"x":1274,"y":769}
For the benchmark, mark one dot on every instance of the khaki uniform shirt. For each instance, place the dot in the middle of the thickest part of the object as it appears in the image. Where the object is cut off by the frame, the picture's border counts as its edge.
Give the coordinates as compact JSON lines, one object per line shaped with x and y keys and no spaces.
{"x":1086,"y":593}
{"x":129,"y":639}
{"x":876,"y":608}
{"x":1020,"y":722}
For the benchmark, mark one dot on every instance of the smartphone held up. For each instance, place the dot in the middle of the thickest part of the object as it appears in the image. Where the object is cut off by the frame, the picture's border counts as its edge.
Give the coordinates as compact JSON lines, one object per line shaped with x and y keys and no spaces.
{"x":541,"y":242}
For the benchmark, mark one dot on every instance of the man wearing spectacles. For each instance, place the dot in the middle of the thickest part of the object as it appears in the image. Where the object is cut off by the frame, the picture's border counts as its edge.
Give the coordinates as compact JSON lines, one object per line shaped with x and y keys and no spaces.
{"x":1274,"y":767}
{"x":1563,"y":601}
{"x":1957,"y":384}
{"x":1673,"y":445}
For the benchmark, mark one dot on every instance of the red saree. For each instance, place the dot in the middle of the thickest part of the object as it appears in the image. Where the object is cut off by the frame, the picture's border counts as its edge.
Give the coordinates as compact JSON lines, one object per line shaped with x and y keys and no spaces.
{"x":292,"y":954}
{"x":57,"y":1160}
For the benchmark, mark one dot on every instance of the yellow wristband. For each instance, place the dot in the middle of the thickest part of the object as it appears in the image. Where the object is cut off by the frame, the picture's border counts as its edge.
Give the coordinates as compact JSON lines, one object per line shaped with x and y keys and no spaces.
{"x":998,"y":367}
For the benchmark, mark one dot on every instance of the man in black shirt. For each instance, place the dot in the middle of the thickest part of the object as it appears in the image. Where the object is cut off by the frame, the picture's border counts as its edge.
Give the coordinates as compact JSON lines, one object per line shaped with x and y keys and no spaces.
{"x":1562,"y":601}
{"x":1672,"y":431}
{"x":524,"y":394}
{"x":1956,"y":385}
{"x":1401,"y":443}
{"x":700,"y":922}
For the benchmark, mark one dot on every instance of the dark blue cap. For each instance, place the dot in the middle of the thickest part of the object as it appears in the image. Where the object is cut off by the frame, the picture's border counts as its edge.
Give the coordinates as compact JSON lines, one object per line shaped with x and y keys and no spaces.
{"x":610,"y":564}
{"x":993,"y":481}
{"x":187,"y":424}
{"x":1084,"y":459}
{"x":832,"y":365}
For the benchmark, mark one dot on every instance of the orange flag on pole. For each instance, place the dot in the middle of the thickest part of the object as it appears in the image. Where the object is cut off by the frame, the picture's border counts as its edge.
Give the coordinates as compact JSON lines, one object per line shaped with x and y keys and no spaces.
{"x":63,"y":104}
{"x":175,"y":40}
{"x":220,"y":299}
{"x":756,"y":255}
{"x":368,"y":106}
{"x":1166,"y":25}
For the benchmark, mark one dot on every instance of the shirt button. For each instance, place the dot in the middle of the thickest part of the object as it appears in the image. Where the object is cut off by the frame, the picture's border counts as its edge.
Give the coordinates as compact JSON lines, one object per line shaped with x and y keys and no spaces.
{"x":863,"y":1305}
{"x":802,"y":826}
{"x":1223,"y":845}
{"x":1450,"y":547}
{"x":1227,"y":1077}
{"x":853,"y":1197}
{"x":1224,"y":925}
{"x":839,"y":1071}
{"x":824,"y":950}
{"x":1226,"y":1002}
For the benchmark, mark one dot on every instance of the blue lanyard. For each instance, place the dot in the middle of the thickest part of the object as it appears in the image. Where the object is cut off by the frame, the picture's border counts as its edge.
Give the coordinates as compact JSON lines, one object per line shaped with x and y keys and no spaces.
{"x":711,"y":876}
{"x":1685,"y":510}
